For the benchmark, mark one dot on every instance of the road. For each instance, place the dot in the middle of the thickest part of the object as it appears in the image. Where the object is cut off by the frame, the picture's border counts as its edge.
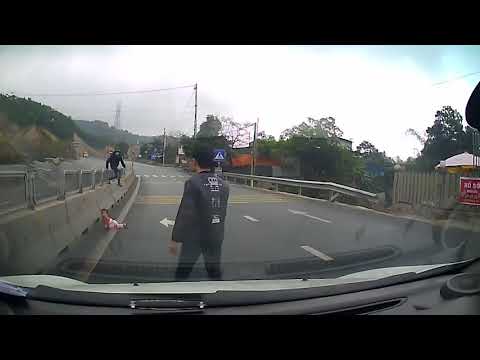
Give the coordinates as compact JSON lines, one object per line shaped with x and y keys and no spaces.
{"x":271,"y":235}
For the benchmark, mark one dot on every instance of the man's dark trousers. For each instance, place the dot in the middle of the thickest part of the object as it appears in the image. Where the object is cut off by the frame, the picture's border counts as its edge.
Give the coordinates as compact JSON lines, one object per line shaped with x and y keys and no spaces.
{"x":116,"y":172}
{"x":191,"y":251}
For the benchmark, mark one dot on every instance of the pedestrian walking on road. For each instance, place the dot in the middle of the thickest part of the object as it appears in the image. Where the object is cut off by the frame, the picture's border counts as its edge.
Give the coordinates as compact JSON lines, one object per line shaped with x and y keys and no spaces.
{"x":200,"y":222}
{"x":114,"y":160}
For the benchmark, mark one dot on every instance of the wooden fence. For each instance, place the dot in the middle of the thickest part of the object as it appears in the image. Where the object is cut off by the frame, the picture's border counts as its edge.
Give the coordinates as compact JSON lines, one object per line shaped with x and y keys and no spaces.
{"x":437,"y":189}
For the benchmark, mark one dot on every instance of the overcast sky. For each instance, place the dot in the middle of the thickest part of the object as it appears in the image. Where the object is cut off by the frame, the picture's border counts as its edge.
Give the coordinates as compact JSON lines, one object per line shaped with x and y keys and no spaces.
{"x":374,"y":92}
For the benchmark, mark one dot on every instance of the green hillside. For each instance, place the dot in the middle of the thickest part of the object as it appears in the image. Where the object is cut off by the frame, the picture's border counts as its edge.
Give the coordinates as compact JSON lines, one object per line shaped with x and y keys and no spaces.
{"x":26,"y":113}
{"x":30,"y":130}
{"x":102,"y":130}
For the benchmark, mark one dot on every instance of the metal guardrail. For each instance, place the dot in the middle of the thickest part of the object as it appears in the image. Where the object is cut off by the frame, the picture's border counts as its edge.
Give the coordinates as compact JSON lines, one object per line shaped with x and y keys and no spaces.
{"x":14,"y":194}
{"x":334,"y":189}
{"x":25,"y":189}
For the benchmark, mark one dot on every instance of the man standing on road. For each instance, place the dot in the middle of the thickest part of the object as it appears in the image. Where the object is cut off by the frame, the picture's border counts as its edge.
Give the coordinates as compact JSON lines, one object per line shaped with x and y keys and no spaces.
{"x":114,"y":159}
{"x":200,"y":221}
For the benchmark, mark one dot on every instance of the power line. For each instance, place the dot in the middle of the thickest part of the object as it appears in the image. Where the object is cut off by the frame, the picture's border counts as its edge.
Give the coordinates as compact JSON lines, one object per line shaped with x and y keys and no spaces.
{"x":457,"y":78}
{"x":186,"y":107}
{"x":110,"y":93}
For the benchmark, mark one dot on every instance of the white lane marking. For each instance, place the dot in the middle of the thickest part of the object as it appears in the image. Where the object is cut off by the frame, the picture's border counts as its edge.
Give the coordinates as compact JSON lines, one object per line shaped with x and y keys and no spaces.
{"x":181,"y":176}
{"x":155,"y":176}
{"x":304,"y":213}
{"x":164,"y":176}
{"x":172,"y":176}
{"x":250,"y":218}
{"x":166,"y":222}
{"x":147,"y":176}
{"x":138,"y":176}
{"x":317,"y":253}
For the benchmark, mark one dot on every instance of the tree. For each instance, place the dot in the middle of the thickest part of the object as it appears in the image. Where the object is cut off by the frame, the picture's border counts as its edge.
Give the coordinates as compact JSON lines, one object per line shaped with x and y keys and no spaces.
{"x":123,"y":147}
{"x":398,"y":160}
{"x":445,"y":137}
{"x":261,"y":135}
{"x":366,"y":149}
{"x":313,"y":128}
{"x":210,"y":127}
{"x":421,"y":138}
{"x":234,"y":131}
{"x":190,"y":145}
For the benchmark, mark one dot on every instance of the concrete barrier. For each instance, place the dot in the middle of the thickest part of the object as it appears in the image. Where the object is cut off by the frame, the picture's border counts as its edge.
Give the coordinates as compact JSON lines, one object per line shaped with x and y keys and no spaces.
{"x":31,"y":239}
{"x":28,"y":240}
{"x":81,"y":210}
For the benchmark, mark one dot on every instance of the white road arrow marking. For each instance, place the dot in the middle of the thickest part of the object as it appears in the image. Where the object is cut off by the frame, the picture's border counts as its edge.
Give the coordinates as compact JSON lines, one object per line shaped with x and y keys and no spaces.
{"x":250,"y":218}
{"x":165,"y":222}
{"x":304,"y":213}
{"x":317,"y":253}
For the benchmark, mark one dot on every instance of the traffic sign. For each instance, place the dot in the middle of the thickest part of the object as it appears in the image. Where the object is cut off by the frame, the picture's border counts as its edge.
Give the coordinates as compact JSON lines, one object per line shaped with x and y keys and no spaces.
{"x":469,"y":191}
{"x":219,"y":155}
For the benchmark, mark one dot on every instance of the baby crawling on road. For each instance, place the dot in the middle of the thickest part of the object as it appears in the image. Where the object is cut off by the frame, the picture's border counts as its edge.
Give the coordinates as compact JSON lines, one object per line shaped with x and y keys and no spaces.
{"x":110,"y":223}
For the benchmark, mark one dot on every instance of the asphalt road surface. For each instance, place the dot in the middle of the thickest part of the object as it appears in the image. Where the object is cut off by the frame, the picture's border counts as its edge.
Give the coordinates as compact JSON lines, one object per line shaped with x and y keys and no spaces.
{"x":270,"y":235}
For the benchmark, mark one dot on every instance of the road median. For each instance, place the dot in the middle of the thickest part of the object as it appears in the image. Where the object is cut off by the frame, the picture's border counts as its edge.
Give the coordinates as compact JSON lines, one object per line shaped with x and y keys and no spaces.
{"x":31,"y":239}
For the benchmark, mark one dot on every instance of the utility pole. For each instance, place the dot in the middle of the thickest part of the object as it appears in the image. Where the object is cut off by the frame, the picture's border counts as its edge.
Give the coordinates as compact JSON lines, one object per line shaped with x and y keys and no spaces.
{"x":195,"y":121}
{"x":254,"y":150}
{"x":164,"y":145}
{"x":475,"y":152}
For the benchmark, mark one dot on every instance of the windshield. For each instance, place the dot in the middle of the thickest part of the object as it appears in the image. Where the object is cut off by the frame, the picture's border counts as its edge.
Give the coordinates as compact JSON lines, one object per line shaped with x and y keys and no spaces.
{"x":156,"y":164}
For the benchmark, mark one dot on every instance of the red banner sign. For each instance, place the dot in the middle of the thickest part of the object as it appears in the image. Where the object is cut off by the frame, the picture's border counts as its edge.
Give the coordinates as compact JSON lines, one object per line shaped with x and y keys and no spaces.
{"x":469,"y":191}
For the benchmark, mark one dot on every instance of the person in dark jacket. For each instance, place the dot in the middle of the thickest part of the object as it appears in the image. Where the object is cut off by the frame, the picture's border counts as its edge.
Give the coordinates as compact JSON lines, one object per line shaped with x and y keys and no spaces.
{"x":114,"y":160}
{"x":200,"y":221}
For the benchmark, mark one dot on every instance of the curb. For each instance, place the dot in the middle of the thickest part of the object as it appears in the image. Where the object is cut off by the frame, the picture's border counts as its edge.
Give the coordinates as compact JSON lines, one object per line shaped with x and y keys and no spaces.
{"x":105,"y":240}
{"x":32,"y":239}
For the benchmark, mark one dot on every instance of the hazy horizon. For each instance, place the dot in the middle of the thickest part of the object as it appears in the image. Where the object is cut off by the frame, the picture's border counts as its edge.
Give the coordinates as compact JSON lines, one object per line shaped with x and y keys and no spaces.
{"x":375,"y":93}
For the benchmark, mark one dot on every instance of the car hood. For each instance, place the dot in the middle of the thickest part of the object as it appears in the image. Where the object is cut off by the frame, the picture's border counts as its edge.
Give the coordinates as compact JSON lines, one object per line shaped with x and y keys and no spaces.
{"x":63,"y":283}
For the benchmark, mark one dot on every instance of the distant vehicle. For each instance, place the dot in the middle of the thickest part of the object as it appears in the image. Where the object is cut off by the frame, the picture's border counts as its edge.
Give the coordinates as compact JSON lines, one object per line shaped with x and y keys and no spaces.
{"x":85,"y":154}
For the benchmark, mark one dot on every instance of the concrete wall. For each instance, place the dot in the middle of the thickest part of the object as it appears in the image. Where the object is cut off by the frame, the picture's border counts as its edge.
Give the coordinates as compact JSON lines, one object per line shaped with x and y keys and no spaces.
{"x":31,"y":239}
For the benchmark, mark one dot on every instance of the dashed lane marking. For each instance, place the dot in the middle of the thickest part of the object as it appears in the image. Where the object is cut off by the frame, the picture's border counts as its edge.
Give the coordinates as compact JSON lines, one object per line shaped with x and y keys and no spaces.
{"x":236,"y":199}
{"x":165,"y":182}
{"x":317,"y":253}
{"x":250,"y":218}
